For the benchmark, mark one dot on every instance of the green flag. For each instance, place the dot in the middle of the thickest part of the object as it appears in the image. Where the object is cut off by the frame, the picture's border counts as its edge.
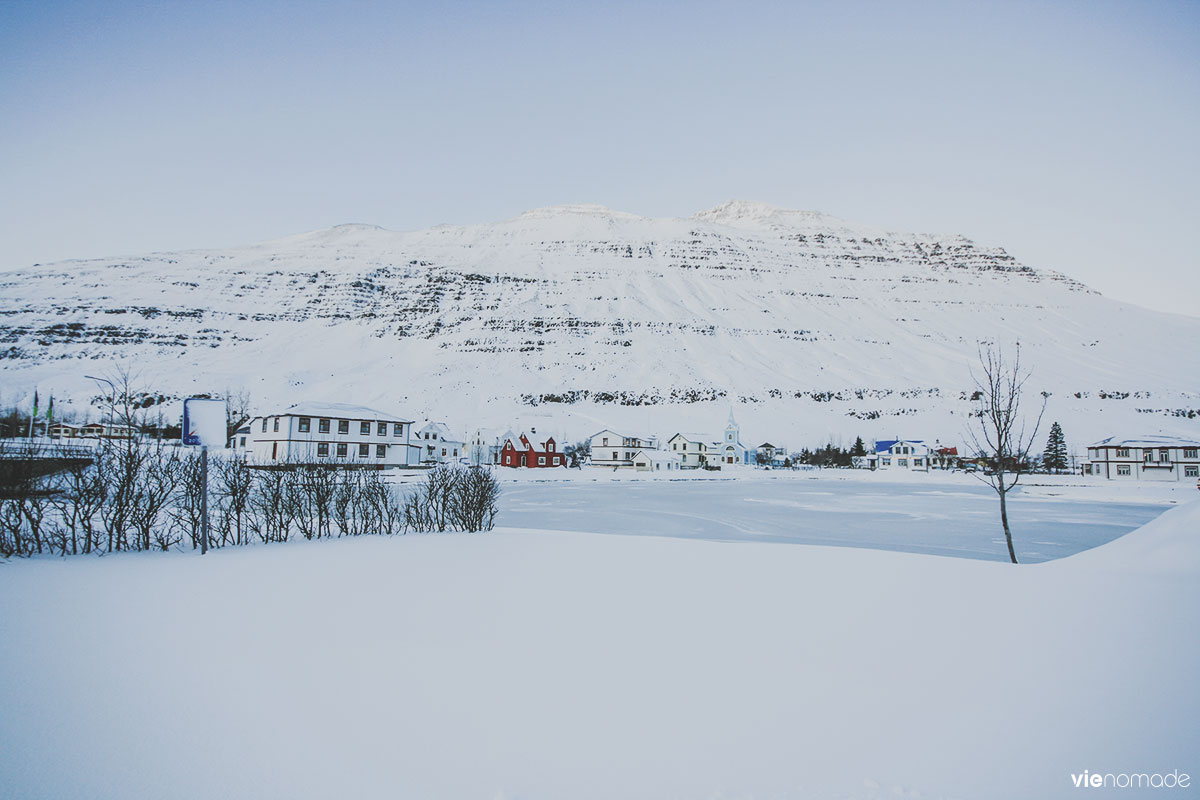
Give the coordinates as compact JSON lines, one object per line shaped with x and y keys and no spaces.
{"x":35,"y":402}
{"x":50,"y":409}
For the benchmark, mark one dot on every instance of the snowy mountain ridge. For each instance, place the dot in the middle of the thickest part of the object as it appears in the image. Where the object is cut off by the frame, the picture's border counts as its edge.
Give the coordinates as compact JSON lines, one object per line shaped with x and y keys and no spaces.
{"x":806,"y":324}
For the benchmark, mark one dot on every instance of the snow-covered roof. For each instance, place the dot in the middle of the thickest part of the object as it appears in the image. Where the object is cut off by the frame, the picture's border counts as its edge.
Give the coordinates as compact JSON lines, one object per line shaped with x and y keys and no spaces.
{"x":655,"y":456}
{"x":694,"y":437}
{"x":343,"y":410}
{"x":1148,"y":441}
{"x":443,"y":430}
{"x":884,"y":445}
{"x":637,"y":436}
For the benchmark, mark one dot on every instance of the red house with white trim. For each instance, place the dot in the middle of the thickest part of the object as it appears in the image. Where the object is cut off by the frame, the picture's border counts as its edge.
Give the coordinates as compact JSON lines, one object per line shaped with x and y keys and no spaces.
{"x":522,"y":453}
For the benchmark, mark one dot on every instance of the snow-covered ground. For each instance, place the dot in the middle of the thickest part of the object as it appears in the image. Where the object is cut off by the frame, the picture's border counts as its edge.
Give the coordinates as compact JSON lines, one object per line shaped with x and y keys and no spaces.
{"x":551,"y":664}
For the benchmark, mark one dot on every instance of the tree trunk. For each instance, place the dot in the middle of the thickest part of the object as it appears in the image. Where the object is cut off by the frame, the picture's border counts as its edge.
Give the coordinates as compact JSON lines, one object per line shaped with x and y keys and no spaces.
{"x":1003,"y":491}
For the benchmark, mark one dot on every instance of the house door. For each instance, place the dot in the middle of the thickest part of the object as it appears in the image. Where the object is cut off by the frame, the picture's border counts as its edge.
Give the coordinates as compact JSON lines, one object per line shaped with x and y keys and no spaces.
{"x":274,"y":449}
{"x":523,"y":457}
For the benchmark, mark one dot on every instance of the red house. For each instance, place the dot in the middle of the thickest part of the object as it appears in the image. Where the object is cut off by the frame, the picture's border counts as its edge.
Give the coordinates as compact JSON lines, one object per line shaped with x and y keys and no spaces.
{"x":522,"y":453}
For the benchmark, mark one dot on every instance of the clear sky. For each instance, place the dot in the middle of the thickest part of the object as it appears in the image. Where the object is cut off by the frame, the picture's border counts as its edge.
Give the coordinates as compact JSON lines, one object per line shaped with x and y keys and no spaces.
{"x":1067,"y":132}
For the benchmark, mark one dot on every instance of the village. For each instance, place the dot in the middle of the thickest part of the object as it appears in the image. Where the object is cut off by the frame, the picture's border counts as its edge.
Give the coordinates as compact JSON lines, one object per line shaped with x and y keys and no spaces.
{"x":350,"y":436}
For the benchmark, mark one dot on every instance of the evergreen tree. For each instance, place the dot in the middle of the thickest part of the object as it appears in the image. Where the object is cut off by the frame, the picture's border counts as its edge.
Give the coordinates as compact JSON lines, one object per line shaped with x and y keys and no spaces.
{"x":859,"y":448}
{"x":1055,"y":457}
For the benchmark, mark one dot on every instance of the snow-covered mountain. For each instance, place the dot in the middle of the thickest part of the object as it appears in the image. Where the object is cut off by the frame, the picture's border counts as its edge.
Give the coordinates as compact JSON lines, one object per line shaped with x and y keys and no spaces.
{"x":805,"y":324}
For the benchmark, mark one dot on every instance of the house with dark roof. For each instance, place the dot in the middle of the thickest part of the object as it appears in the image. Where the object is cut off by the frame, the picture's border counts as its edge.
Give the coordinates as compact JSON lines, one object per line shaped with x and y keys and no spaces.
{"x":906,"y":454}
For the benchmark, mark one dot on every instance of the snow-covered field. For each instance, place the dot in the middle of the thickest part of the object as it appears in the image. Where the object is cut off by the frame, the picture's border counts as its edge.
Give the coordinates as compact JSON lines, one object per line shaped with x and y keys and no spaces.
{"x":551,"y":664}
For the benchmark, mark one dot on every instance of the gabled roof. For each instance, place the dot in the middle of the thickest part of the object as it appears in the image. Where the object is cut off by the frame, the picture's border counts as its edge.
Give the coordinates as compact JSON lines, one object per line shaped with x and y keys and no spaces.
{"x":887,"y":444}
{"x":343,"y":410}
{"x":654,"y":456}
{"x":1148,"y":441}
{"x":443,"y":431}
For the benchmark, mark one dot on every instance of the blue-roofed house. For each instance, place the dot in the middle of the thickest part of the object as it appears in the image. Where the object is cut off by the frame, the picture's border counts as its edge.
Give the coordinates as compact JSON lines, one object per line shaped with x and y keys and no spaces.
{"x":907,"y":454}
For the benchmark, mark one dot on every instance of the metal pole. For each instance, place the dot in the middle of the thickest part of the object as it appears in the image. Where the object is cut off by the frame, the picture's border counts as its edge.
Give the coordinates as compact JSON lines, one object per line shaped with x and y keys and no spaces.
{"x":204,"y":499}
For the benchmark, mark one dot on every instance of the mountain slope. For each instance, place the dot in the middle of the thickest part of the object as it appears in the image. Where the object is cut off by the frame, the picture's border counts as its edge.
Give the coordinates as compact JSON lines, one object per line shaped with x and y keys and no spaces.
{"x":802,"y":321}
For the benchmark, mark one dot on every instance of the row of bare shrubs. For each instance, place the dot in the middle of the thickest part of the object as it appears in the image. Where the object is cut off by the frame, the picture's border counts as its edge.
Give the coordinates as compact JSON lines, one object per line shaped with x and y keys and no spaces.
{"x":136,"y":497}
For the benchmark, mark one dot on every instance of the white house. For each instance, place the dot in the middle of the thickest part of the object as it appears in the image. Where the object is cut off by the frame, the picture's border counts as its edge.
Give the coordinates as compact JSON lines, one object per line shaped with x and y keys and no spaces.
{"x":439,"y":445}
{"x":1149,"y":458}
{"x":699,"y":450}
{"x":331,"y":433}
{"x":655,"y":461}
{"x":612,"y":449}
{"x":691,"y":448}
{"x":775,"y":455}
{"x":908,"y":454}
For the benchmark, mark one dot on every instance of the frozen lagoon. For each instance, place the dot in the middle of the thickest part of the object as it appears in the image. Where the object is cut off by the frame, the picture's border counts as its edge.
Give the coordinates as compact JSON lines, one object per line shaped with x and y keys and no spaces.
{"x":952,"y":515}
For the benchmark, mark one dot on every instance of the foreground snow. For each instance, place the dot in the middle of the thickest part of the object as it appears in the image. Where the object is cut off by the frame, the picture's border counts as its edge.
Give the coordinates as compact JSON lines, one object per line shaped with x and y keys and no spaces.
{"x":522,"y":664}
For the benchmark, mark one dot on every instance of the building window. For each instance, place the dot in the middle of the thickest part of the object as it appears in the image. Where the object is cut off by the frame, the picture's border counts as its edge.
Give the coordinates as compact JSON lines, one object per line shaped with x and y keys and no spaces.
{"x":1189,"y":452}
{"x":304,"y":424}
{"x":1122,"y":469}
{"x":1191,"y":471}
{"x":1122,"y":452}
{"x":341,"y":451}
{"x":364,"y":450}
{"x":614,"y":458}
{"x":276,"y":428}
{"x":902,"y":462}
{"x":1147,"y":455}
{"x":443,"y":452}
{"x":381,"y":451}
{"x":397,"y":429}
{"x":1164,"y":456}
{"x":541,"y":461}
{"x":364,"y":429}
{"x":604,"y":442}
{"x":264,"y":429}
{"x":554,"y":460}
{"x":343,"y":426}
{"x":323,"y":426}
{"x":507,"y":459}
{"x":918,"y":462}
{"x":381,"y":429}
{"x":243,"y":441}
{"x":323,"y":450}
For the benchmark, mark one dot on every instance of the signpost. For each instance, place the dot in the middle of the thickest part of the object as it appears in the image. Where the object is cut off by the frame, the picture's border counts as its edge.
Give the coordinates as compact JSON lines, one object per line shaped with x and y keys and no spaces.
{"x":204,"y":425}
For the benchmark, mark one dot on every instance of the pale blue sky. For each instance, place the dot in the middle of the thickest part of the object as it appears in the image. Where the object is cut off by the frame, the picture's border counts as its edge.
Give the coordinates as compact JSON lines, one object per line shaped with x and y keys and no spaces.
{"x":1066,"y":132}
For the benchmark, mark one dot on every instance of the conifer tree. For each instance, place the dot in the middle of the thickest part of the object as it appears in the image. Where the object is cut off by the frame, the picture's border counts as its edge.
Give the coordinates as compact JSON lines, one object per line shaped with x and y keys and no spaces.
{"x":1055,"y":457}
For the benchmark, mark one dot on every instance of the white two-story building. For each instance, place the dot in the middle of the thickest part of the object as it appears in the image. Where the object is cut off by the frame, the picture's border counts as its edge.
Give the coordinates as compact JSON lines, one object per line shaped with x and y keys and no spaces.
{"x":907,"y":454}
{"x":439,"y":445}
{"x":612,"y":449}
{"x":334,"y":434}
{"x":1149,"y":458}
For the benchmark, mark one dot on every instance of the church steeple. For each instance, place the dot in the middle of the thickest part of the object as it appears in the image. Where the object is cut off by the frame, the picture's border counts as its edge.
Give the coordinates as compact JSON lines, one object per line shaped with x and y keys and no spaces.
{"x":731,"y":430}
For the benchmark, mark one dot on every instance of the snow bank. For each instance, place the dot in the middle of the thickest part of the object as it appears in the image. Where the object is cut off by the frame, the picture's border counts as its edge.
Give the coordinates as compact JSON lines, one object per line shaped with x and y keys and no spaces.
{"x":532,"y":665}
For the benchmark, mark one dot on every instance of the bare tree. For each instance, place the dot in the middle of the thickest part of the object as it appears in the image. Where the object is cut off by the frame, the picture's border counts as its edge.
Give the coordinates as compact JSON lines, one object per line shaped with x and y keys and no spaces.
{"x":237,"y":411}
{"x":234,"y":482}
{"x":82,"y":493}
{"x":474,"y":497}
{"x":1000,"y":432}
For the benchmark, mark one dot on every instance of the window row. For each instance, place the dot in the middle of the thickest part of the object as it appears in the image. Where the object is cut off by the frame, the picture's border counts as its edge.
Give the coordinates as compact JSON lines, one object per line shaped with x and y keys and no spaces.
{"x":364,"y":450}
{"x":304,"y":425}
